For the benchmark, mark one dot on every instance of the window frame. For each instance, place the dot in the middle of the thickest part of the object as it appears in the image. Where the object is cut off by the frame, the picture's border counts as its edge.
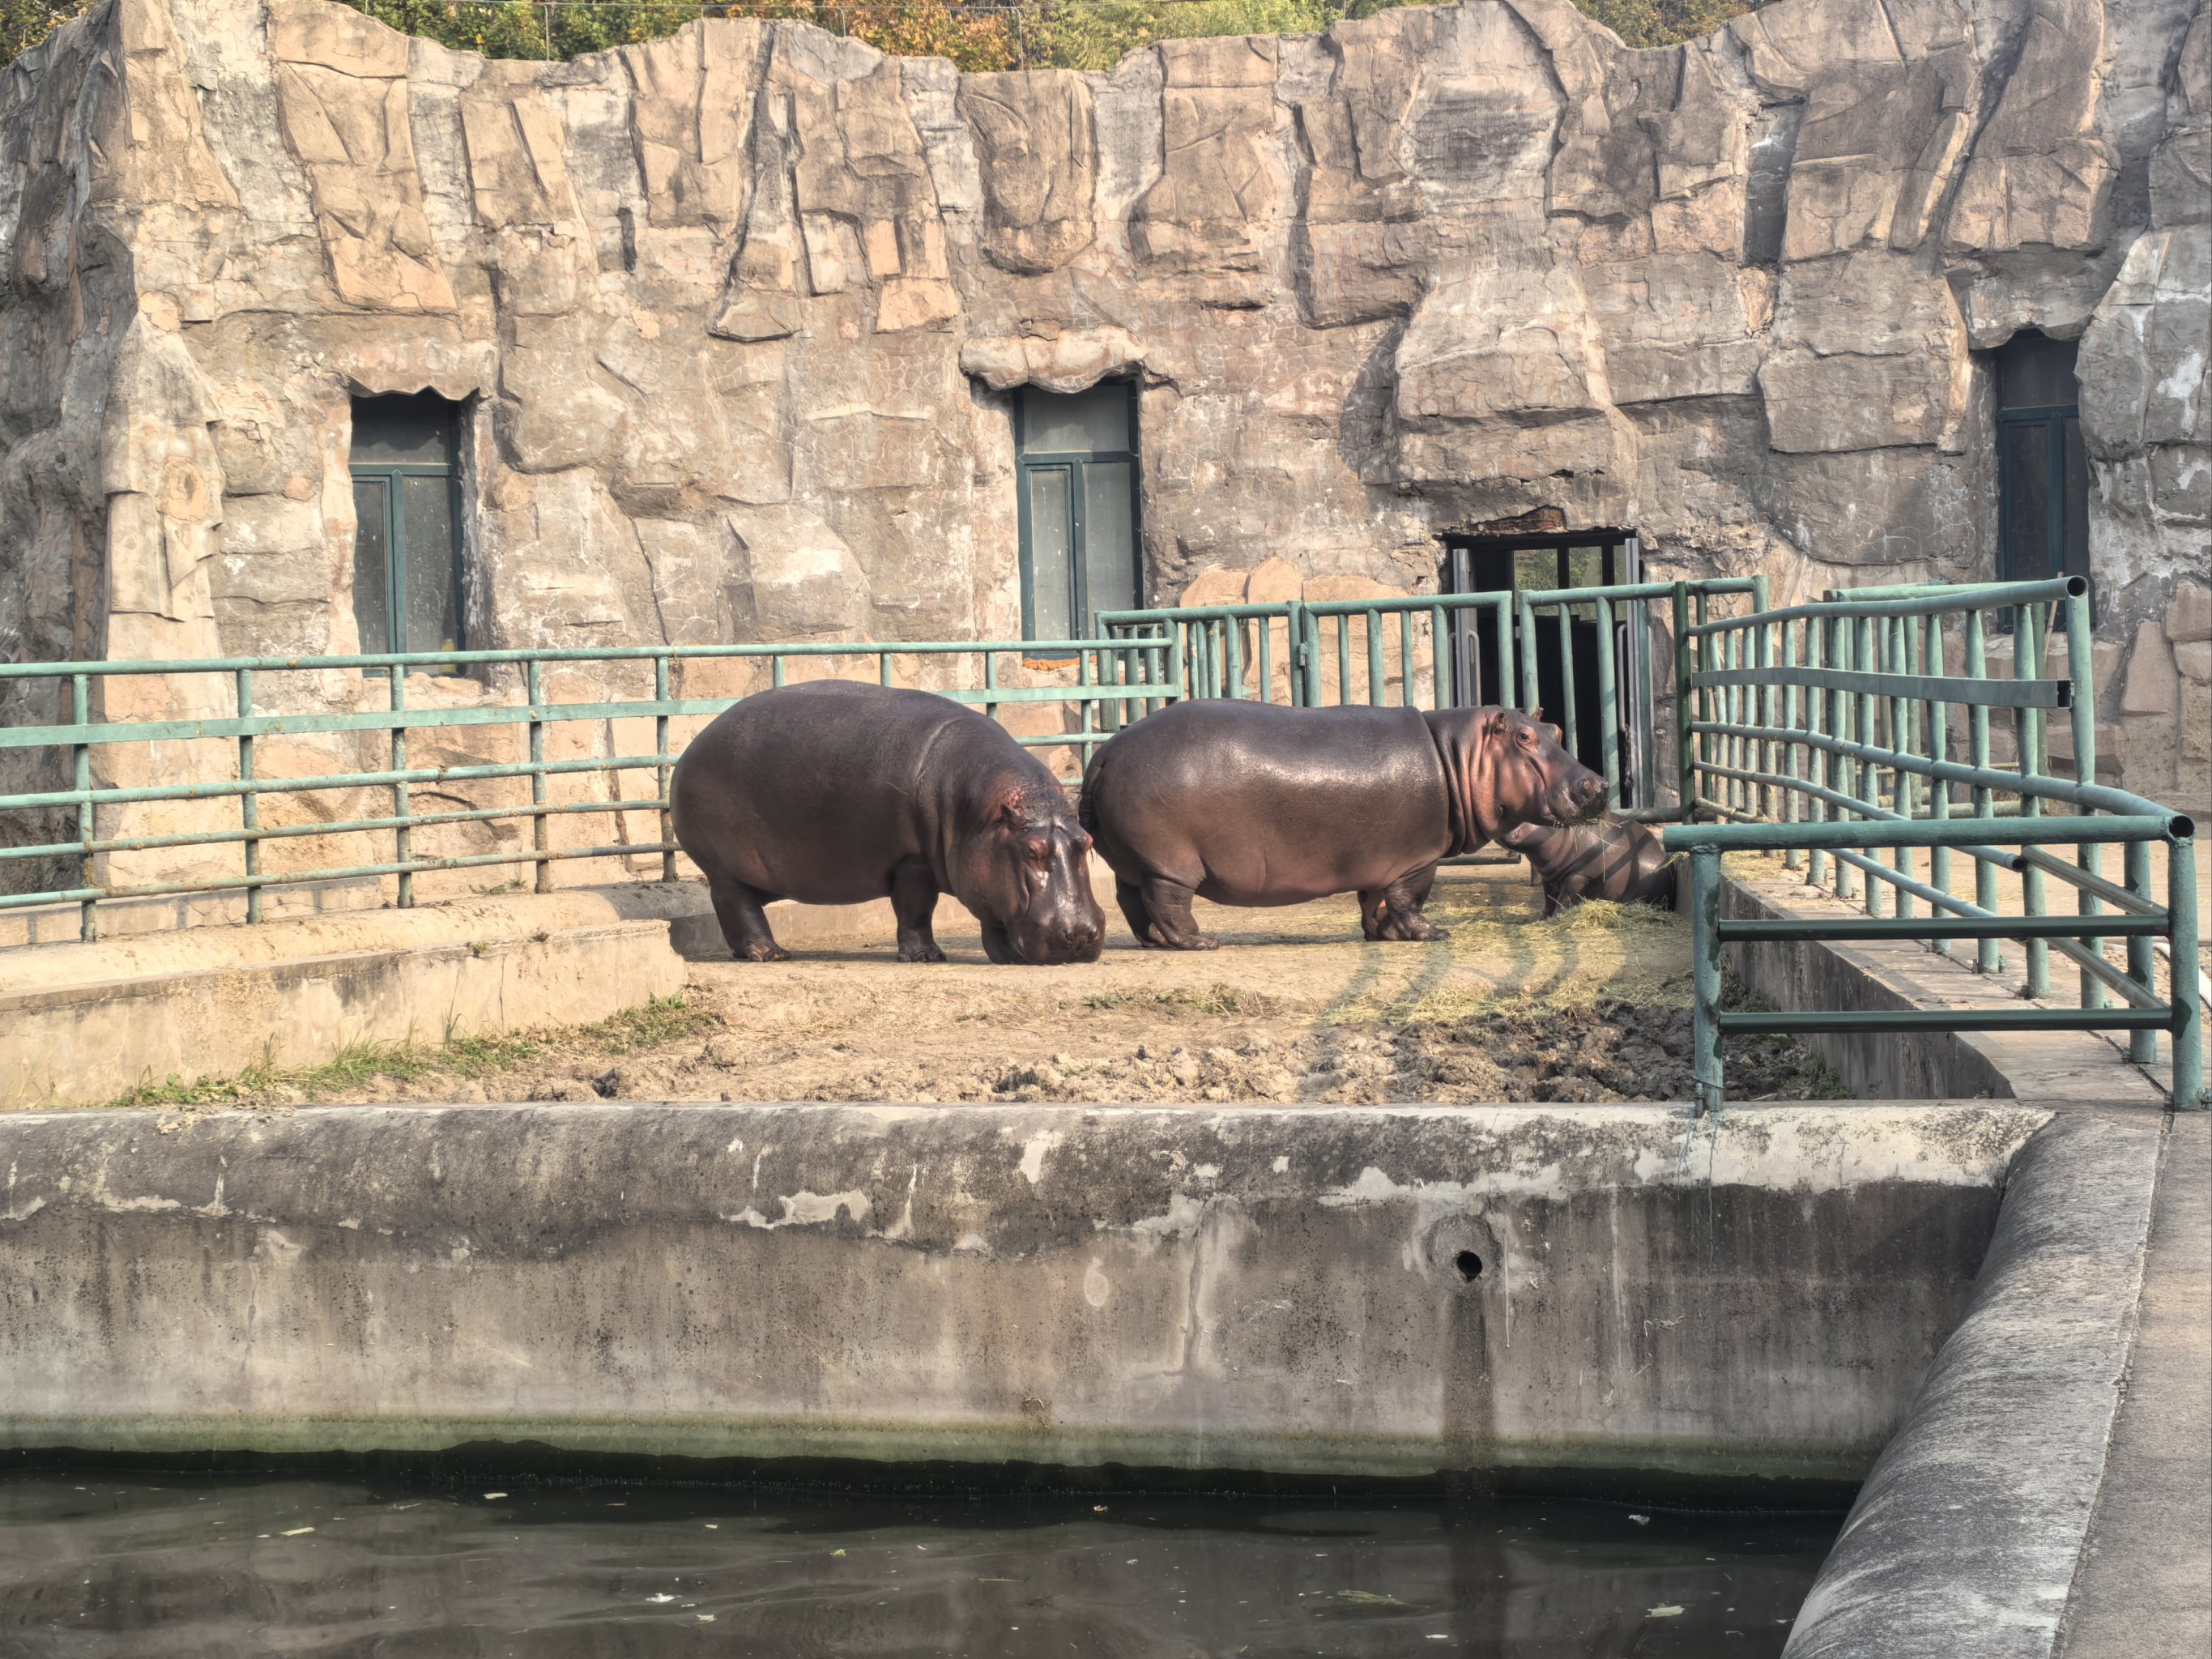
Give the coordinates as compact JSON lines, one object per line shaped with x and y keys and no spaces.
{"x":1074,"y":462}
{"x":395,"y":546}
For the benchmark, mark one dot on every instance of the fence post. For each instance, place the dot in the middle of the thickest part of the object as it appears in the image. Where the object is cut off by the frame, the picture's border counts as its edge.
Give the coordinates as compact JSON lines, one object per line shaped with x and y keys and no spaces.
{"x":1705,"y":978}
{"x":1793,"y":858}
{"x":1608,"y":703}
{"x":88,"y":816}
{"x":2081,"y":670}
{"x":1987,"y":958}
{"x":533,"y":688}
{"x":662,"y":776}
{"x":249,"y":803}
{"x":2027,"y":663}
{"x":1309,"y":654}
{"x":403,"y":842}
{"x":1685,"y":758}
{"x":2188,"y":1008}
{"x":1939,"y":748}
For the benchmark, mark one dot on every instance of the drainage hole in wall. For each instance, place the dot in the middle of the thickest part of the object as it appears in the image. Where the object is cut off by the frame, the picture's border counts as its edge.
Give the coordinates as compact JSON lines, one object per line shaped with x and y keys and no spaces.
{"x":1469,"y":1264}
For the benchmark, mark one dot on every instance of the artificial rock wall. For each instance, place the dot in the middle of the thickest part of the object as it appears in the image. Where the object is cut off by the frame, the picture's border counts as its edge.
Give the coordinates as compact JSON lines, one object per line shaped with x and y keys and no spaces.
{"x":737,"y":314}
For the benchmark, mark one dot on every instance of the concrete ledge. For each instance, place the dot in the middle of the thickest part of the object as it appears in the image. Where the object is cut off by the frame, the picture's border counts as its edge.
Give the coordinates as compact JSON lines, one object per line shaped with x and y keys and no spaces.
{"x":1314,"y":1293}
{"x":1965,"y":1538}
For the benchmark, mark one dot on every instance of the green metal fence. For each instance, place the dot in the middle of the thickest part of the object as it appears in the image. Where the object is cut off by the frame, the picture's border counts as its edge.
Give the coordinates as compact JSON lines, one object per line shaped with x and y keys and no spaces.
{"x":1863,"y":724}
{"x":213,"y":757}
{"x":1284,"y":651}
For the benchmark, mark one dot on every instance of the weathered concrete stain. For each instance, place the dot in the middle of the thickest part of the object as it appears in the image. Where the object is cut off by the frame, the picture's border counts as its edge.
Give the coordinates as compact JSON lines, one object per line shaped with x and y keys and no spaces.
{"x":1379,"y":1291}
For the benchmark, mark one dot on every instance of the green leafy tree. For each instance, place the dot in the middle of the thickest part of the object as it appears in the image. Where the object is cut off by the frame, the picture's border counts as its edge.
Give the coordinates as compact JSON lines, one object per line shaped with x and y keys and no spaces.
{"x":25,"y":23}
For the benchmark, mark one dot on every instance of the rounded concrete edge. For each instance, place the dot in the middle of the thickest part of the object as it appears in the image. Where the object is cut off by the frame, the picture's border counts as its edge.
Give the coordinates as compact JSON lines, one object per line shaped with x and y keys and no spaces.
{"x":1964,"y":1538}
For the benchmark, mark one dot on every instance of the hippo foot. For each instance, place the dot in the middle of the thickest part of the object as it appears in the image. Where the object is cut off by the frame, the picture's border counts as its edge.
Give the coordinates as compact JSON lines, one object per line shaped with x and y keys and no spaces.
{"x":762,"y":951}
{"x":930,"y":952}
{"x":1188,"y":942}
{"x":1407,"y":929}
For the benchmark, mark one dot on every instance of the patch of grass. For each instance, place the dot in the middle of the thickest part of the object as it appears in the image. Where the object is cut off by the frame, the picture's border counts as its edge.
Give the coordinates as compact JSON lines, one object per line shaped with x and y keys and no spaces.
{"x":662,"y":1020}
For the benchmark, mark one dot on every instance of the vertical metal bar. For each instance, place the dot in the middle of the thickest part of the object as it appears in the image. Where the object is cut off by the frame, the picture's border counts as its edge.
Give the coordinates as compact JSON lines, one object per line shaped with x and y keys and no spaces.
{"x":2142,"y":1046}
{"x":1641,"y":673}
{"x":1532,"y":694}
{"x":1844,"y":723}
{"x":1571,"y":720}
{"x":534,"y":693}
{"x":1089,"y":705}
{"x":2080,"y":668}
{"x":1608,"y":703}
{"x":662,"y":775}
{"x":883,"y":668}
{"x":1439,"y":656}
{"x":1266,"y":693}
{"x":1939,"y":748}
{"x":1763,"y":658}
{"x":1406,"y":697}
{"x":1705,"y":978}
{"x":1904,"y":728}
{"x":402,"y":839}
{"x":1685,"y":757}
{"x":249,"y":804}
{"x":1793,"y":804}
{"x":2182,"y":943}
{"x":1731,"y":698}
{"x":775,"y":670}
{"x":1870,"y":775}
{"x":1987,"y":959}
{"x":1819,"y":704}
{"x":1343,"y":657}
{"x":88,"y":816}
{"x":2027,"y":663}
{"x":1377,"y":688}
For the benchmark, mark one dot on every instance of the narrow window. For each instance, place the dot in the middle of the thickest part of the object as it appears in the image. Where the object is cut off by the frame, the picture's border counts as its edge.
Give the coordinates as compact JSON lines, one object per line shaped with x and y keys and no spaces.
{"x":1078,"y":508}
{"x":2043,"y":467}
{"x":406,"y":549}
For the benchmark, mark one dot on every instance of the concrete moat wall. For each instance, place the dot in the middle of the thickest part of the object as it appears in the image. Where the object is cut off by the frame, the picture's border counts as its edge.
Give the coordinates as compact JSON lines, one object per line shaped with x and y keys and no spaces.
{"x":738,"y":319}
{"x":1291,"y":1292}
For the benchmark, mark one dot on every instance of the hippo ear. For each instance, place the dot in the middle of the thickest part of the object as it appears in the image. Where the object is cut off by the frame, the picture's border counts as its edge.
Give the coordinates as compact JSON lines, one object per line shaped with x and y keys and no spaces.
{"x":1537,"y":713}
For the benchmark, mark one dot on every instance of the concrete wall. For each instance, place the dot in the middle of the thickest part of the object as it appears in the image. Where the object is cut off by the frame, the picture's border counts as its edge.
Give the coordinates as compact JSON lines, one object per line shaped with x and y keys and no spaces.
{"x":1265,"y":1289}
{"x":737,"y":316}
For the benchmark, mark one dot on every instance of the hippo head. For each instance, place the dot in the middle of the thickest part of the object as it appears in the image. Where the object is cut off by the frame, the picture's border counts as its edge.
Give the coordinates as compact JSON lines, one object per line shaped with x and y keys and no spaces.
{"x":1027,"y":871}
{"x":1507,"y":768}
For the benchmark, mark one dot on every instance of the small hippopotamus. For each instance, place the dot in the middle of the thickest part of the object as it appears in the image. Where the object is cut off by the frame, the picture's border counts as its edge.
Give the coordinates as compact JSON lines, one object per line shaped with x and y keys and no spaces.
{"x":834,"y":793}
{"x":1254,"y":804}
{"x":1608,"y":858}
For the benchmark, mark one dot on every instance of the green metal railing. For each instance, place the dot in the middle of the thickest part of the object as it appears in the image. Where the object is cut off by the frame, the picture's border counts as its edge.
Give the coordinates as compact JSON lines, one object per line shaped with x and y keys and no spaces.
{"x":1825,"y":732}
{"x":1235,"y":651}
{"x":226,"y":762}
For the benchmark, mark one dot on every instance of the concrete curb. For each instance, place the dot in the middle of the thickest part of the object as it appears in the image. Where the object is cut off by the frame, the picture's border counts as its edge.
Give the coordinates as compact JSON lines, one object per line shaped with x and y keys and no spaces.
{"x":1965,"y":1538}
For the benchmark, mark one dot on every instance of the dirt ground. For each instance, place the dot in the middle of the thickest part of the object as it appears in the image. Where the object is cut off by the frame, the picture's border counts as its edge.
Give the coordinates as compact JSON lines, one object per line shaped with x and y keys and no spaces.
{"x":1295,"y":1007}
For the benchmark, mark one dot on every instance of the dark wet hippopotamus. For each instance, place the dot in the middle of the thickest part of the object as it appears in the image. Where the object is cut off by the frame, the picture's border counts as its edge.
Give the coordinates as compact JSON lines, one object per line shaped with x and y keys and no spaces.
{"x":1254,"y":804}
{"x":1606,"y":858}
{"x":834,"y":793}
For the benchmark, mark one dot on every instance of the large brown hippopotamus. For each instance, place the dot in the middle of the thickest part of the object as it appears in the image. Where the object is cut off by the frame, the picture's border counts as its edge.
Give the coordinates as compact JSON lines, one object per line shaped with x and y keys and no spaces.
{"x":834,"y":793}
{"x":1608,"y":858}
{"x":1255,"y":803}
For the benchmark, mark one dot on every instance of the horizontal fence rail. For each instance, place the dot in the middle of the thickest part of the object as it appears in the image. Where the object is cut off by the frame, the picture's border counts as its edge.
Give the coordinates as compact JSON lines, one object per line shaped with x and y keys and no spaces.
{"x":1855,"y":734}
{"x":1319,"y":652}
{"x":212,"y":758}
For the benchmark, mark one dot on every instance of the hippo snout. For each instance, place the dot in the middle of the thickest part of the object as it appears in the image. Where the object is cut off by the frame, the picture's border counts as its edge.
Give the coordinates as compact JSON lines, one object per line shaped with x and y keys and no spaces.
{"x":1587,"y":795}
{"x":1077,"y":939}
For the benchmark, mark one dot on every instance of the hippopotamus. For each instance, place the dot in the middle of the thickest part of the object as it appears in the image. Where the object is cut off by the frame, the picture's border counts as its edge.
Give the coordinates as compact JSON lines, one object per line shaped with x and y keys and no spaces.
{"x":1608,"y":858}
{"x":834,"y":793}
{"x":1255,"y":803}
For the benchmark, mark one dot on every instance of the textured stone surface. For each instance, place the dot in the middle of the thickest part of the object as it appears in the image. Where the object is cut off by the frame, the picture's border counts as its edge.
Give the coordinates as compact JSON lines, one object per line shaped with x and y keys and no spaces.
{"x":736,"y":316}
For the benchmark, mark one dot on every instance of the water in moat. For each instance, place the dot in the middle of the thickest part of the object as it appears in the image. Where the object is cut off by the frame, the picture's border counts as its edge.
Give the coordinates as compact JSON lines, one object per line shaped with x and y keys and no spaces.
{"x":182,"y":1567}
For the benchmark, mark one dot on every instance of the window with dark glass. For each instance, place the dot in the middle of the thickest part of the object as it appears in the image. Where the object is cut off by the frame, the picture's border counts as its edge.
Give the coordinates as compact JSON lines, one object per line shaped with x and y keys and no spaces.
{"x":2043,"y":467}
{"x":1078,"y":479}
{"x":406,"y":550}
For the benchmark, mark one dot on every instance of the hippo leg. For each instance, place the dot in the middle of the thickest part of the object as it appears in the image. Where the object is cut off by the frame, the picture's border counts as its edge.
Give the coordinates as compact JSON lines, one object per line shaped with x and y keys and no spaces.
{"x":913,"y":905}
{"x":1394,"y":912}
{"x":1131,"y":898}
{"x":1170,"y":926}
{"x":744,"y":924}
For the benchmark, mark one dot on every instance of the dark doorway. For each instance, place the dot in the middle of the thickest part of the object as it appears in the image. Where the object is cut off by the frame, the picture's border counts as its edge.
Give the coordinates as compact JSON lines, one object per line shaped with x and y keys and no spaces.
{"x":1533,"y":563}
{"x":2043,"y":467}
